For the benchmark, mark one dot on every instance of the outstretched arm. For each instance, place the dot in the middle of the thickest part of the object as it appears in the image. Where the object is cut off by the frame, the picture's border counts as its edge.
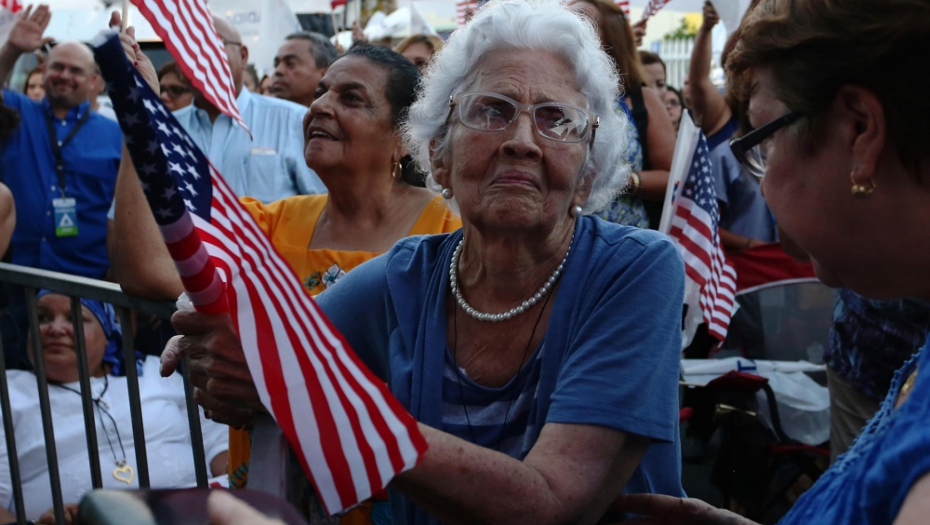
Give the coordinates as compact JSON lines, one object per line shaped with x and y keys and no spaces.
{"x":25,"y":37}
{"x":708,"y":106}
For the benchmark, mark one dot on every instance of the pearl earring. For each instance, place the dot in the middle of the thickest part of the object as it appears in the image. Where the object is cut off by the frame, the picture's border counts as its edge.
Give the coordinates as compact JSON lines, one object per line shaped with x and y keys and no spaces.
{"x":575,"y":211}
{"x":446,"y":193}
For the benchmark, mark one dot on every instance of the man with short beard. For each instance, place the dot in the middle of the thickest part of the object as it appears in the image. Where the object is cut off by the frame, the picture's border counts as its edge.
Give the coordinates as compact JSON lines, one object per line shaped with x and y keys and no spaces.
{"x":61,"y":163}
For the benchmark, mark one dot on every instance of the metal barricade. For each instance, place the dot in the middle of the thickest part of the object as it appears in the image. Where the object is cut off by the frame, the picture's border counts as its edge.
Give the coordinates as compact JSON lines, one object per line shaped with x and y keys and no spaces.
{"x":32,"y":280}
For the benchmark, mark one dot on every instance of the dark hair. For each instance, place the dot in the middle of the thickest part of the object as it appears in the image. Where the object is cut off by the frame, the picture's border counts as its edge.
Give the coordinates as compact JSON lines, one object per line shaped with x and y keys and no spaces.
{"x":172,"y":67}
{"x":648,"y":58}
{"x":400,"y":92}
{"x":618,"y":41}
{"x":681,"y":99}
{"x":35,"y":71}
{"x":881,"y":41}
{"x":324,"y":53}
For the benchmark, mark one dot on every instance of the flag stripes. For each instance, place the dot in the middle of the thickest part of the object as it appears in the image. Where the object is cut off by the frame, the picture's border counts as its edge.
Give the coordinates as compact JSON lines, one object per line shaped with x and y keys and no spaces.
{"x":348,"y":432}
{"x":186,"y":28}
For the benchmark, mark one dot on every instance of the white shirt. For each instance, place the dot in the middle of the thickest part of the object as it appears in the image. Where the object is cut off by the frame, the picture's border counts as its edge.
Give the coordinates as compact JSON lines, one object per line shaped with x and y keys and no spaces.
{"x":268,"y":167}
{"x":167,"y":437}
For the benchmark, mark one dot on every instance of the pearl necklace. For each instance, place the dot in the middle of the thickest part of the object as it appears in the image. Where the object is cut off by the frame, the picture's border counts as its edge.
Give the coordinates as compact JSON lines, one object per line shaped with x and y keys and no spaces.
{"x":513,"y":312}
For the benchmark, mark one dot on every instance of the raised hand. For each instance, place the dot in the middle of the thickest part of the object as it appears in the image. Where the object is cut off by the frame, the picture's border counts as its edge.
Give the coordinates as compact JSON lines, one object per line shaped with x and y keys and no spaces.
{"x":710,"y":16}
{"x":26,"y":34}
{"x":134,"y":53}
{"x":639,"y":31}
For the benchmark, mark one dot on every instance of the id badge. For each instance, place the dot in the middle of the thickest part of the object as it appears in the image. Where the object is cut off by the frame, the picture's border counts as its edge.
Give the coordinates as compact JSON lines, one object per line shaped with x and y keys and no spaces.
{"x":65,"y":217}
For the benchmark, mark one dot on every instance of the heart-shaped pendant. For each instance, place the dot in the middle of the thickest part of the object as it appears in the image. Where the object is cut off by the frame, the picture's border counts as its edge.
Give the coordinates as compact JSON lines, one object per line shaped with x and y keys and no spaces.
{"x":124,"y":473}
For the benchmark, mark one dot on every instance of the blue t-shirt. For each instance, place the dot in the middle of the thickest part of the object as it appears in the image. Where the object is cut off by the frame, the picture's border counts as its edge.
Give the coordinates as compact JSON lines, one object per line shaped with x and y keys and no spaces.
{"x":611,"y":351}
{"x":744,"y":211}
{"x":91,"y":161}
{"x":867,"y":485}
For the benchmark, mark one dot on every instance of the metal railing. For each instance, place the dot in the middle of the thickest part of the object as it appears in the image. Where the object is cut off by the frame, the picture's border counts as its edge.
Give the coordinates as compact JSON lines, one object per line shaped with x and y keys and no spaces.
{"x":32,"y":280}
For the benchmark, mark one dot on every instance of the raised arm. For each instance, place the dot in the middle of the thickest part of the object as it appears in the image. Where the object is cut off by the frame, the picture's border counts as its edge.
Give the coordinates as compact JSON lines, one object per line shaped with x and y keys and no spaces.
{"x":139,"y":258}
{"x":25,"y":37}
{"x":7,"y":217}
{"x":708,"y":105}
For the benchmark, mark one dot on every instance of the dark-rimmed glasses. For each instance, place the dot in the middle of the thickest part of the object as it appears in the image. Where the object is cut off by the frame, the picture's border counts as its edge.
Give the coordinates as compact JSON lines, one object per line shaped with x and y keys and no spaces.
{"x":552,"y":120}
{"x":174,"y":91}
{"x":748,"y":149}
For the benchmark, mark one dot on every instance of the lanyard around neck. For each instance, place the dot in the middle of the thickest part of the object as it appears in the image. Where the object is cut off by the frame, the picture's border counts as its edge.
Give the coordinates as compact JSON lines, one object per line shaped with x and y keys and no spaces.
{"x":58,"y":146}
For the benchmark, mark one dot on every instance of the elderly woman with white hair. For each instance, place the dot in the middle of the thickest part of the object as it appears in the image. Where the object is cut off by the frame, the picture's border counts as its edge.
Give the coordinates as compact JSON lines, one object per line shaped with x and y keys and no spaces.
{"x":538,"y":347}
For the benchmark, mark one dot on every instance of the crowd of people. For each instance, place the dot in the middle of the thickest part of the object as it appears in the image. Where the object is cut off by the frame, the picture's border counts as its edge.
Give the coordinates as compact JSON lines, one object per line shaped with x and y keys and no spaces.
{"x":501,"y":274}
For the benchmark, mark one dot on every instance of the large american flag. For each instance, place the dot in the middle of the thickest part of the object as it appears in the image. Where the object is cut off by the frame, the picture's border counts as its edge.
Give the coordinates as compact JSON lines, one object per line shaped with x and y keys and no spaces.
{"x":653,"y":7}
{"x":350,"y":435}
{"x":13,"y":5}
{"x":625,"y":6}
{"x":695,"y":226}
{"x":186,"y":28}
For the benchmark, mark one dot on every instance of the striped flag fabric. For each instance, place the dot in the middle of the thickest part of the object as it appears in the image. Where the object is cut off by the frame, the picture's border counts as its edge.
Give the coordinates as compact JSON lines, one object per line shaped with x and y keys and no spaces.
{"x":8,"y":11}
{"x":625,"y":6}
{"x":653,"y":7}
{"x":694,"y":226}
{"x":11,"y":5}
{"x":464,"y":9}
{"x":350,"y":435}
{"x":186,"y":28}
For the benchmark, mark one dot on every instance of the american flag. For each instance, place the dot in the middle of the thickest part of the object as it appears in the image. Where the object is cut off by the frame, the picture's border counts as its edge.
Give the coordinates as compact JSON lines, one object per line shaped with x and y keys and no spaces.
{"x":464,"y":10}
{"x":625,"y":6}
{"x":695,"y":227}
{"x":13,"y":5}
{"x":350,"y":435}
{"x":653,"y":7}
{"x":186,"y":28}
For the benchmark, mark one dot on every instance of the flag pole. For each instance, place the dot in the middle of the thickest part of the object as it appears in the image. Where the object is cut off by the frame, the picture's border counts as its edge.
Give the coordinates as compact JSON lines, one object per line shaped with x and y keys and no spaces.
{"x":124,"y":21}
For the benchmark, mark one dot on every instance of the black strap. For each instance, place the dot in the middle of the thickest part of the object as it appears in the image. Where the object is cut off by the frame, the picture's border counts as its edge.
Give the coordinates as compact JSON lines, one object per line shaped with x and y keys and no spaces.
{"x":58,"y":146}
{"x":641,"y":118}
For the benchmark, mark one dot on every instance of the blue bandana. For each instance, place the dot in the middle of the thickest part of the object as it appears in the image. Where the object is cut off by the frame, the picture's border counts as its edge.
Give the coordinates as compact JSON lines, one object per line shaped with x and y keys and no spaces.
{"x":106,"y":316}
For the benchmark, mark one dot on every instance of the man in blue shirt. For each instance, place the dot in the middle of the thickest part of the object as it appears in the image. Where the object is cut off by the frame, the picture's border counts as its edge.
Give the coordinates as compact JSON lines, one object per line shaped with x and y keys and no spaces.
{"x":61,"y":163}
{"x":270,"y":164}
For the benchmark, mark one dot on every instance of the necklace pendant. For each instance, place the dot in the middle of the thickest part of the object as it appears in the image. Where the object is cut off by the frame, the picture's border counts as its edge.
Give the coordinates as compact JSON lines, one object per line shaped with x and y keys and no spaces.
{"x":124,"y":473}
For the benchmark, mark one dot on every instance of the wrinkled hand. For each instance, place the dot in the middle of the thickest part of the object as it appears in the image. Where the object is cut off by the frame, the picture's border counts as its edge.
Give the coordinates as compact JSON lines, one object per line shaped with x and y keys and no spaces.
{"x":26,"y":34}
{"x":639,"y":31}
{"x":48,"y":517}
{"x":658,"y":509}
{"x":222,"y":382}
{"x":710,"y":16}
{"x":225,"y":509}
{"x":134,"y":53}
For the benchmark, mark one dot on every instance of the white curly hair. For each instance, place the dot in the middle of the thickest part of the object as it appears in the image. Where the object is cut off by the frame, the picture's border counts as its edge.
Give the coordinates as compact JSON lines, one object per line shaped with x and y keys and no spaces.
{"x":545,"y":25}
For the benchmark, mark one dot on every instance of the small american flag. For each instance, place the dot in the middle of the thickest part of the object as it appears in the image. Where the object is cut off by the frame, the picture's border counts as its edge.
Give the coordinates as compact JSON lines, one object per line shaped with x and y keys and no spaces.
{"x":625,"y":6}
{"x":695,"y":227}
{"x":653,"y":7}
{"x":350,"y":435}
{"x":464,"y":10}
{"x":12,"y":5}
{"x":186,"y":28}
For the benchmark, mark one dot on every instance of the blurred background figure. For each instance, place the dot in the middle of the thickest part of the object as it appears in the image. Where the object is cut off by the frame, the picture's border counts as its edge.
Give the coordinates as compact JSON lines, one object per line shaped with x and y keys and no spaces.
{"x":175,"y":90}
{"x":299,"y":65}
{"x":650,"y":154}
{"x":675,"y":104}
{"x":33,"y":87}
{"x":654,"y":71}
{"x":264,"y":87}
{"x":419,"y":49}
{"x":250,"y":78}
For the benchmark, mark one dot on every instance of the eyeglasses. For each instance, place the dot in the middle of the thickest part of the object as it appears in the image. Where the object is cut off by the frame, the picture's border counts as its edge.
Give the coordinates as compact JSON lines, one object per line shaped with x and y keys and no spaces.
{"x":748,"y":149}
{"x":552,"y":120}
{"x":174,"y":91}
{"x":231,"y":43}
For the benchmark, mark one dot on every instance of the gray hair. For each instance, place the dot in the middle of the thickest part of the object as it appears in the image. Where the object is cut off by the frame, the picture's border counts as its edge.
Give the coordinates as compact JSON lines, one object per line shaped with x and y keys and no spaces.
{"x":324,"y":53}
{"x":534,"y":24}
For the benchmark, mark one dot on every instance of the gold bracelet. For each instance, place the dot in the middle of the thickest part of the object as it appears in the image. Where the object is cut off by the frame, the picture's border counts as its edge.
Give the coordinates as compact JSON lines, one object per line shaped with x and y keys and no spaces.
{"x":637,"y":182}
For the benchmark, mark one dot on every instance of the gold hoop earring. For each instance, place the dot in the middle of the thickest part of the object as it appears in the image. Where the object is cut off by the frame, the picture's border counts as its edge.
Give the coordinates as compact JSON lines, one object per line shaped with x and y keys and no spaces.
{"x":862,"y":190}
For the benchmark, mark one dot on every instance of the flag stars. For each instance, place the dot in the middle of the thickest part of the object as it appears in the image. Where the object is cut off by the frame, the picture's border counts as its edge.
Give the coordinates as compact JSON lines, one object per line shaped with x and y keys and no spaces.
{"x":164,"y":129}
{"x":180,"y":150}
{"x":149,"y":105}
{"x":164,"y":213}
{"x":190,"y":189}
{"x":168,"y":193}
{"x":175,"y":167}
{"x":189,"y":205}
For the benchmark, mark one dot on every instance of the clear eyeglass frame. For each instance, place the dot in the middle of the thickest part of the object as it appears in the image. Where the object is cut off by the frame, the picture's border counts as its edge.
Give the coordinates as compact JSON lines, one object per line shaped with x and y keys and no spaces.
{"x":749,"y":150}
{"x":589,"y":121}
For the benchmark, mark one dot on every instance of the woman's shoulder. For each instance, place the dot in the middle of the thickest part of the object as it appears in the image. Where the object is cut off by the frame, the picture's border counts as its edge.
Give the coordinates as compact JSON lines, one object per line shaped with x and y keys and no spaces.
{"x":606,"y":233}
{"x":603,"y":245}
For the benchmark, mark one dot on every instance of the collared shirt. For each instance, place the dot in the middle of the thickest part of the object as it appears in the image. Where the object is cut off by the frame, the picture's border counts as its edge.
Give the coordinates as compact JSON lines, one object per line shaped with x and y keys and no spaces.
{"x":27,"y":165}
{"x":270,"y":165}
